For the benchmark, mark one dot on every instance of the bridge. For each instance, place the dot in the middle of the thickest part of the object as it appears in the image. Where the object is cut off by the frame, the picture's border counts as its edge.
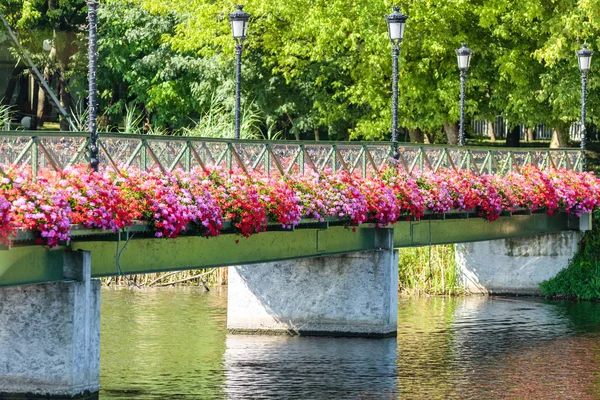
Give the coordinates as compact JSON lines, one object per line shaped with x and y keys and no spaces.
{"x":319,"y":277}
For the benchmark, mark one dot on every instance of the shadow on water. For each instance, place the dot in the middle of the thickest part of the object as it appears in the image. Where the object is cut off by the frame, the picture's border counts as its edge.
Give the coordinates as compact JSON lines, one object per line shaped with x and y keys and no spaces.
{"x":310,"y":367}
{"x":172,"y":344}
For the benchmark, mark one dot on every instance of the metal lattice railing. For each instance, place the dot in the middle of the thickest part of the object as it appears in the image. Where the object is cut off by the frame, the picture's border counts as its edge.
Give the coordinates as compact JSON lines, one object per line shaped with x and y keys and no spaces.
{"x":57,"y":150}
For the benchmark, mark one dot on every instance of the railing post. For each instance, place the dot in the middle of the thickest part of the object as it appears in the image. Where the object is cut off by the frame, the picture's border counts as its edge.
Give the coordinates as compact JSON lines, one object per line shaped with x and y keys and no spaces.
{"x":364,"y":162}
{"x":301,"y":159}
{"x":268,"y":159}
{"x":187,"y":158}
{"x":34,"y":158}
{"x":143,"y":156}
{"x":468,"y":159}
{"x":229,"y":156}
{"x":334,"y":158}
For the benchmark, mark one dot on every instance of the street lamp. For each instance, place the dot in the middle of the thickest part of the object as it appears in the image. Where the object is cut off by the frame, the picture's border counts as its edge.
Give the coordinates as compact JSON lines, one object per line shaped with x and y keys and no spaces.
{"x":92,"y":89}
{"x":464,"y":60}
{"x":395,"y":21}
{"x":585,"y":60}
{"x":239,"y":27}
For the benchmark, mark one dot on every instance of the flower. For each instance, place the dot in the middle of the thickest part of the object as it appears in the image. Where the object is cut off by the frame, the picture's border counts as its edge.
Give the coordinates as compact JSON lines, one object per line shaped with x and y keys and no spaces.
{"x":201,"y":200}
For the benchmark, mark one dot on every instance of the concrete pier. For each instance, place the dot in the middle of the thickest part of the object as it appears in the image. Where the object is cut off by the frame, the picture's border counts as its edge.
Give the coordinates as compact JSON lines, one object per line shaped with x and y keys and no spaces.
{"x":347,"y":295}
{"x":50,"y":335}
{"x":515,"y":266}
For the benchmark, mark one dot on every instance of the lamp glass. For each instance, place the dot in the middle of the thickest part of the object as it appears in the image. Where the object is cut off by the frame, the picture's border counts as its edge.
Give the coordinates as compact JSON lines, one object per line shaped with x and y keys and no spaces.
{"x":464,"y":61}
{"x":396,"y":31}
{"x":239,"y":28}
{"x":585,"y":62}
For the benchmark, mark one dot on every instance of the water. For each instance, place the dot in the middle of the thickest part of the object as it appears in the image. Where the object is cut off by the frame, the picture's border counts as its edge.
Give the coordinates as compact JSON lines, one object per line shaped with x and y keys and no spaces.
{"x":173,"y":344}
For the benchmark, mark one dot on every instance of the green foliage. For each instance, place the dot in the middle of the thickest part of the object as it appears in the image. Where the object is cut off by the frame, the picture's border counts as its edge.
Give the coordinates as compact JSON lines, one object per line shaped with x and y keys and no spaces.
{"x":322,"y":69}
{"x":79,"y":117}
{"x":581,"y":279}
{"x":428,"y":270}
{"x":5,"y":117}
{"x":217,"y":122}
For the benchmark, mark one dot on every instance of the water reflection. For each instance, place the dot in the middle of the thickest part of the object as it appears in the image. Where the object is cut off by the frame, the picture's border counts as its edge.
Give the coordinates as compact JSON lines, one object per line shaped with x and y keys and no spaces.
{"x":162,"y":343}
{"x":310,"y":367}
{"x":497,"y":348}
{"x":172,"y":344}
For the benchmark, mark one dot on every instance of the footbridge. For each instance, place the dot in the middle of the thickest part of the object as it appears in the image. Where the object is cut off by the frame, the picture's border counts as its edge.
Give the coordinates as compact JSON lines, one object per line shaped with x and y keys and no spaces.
{"x":319,"y":277}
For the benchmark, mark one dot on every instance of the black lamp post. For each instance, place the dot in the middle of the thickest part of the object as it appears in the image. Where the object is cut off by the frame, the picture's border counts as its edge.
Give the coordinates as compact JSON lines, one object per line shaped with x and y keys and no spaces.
{"x":585,"y":61}
{"x":464,"y":60}
{"x":395,"y":21}
{"x":93,"y":93}
{"x":239,"y":27}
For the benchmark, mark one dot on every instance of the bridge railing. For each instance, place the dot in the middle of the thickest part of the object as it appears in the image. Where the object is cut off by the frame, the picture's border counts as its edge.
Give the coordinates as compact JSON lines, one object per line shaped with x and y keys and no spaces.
{"x":57,"y":150}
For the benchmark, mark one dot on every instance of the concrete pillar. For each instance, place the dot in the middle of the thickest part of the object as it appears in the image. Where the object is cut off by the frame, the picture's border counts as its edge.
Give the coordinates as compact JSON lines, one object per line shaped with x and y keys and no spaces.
{"x":50,"y":334}
{"x":345,"y":295}
{"x":515,"y":266}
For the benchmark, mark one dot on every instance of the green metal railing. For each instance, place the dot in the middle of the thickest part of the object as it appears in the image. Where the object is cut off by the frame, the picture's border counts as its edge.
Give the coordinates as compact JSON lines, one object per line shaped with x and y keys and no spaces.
{"x":57,"y":150}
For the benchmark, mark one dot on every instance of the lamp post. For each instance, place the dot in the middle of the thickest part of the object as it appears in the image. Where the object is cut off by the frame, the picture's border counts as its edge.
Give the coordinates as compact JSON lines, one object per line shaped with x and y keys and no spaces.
{"x":239,"y":27}
{"x":464,"y":60}
{"x":585,"y":60}
{"x":92,"y":94}
{"x":395,"y":21}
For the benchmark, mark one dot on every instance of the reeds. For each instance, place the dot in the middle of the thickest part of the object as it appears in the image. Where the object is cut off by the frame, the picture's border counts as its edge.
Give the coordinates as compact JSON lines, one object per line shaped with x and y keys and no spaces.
{"x":196,"y":277}
{"x":428,"y":270}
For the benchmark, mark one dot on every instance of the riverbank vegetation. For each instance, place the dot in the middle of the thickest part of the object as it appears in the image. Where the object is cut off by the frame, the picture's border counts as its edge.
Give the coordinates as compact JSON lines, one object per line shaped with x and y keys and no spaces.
{"x":581,"y":279}
{"x":428,"y":270}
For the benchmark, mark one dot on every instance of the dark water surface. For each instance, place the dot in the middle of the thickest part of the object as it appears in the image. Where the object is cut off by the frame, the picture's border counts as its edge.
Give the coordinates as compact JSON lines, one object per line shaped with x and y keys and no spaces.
{"x":172,"y":344}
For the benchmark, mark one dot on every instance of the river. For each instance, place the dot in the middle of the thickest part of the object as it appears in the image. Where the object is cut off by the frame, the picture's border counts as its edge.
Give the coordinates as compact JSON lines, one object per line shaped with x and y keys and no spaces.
{"x":173,"y":344}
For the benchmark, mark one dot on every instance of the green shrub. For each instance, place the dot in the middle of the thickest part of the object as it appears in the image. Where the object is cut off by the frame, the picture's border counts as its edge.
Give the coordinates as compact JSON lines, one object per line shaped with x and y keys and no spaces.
{"x":581,"y":278}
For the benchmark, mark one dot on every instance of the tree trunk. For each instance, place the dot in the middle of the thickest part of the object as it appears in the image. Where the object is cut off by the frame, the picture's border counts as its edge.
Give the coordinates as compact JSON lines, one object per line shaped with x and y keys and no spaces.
{"x":416,"y":135}
{"x":451,"y":130}
{"x":558,"y":139}
{"x":491,"y":131}
{"x":44,"y":107}
{"x":63,"y":56}
{"x":12,"y":84}
{"x":317,"y":135}
{"x":513,"y":137}
{"x":23,"y":97}
{"x":35,"y":105}
{"x":530,"y":134}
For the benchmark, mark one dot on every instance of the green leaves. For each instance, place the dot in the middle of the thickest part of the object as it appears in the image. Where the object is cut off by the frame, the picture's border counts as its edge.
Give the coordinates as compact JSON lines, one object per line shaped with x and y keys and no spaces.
{"x":323,"y":68}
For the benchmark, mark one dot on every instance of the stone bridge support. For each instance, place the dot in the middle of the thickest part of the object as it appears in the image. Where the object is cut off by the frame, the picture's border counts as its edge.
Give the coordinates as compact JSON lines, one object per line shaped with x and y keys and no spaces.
{"x":515,"y":266}
{"x":50,"y":335}
{"x":339,"y":295}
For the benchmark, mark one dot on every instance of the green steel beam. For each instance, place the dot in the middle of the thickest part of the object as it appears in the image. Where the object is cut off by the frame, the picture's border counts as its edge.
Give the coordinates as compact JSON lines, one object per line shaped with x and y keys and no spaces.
{"x":439,"y":231}
{"x":30,"y":264}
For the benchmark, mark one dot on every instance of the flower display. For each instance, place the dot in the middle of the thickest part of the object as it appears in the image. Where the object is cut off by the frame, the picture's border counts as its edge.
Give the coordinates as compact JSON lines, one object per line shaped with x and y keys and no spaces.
{"x":335,"y":195}
{"x":41,"y":207}
{"x":202,"y":200}
{"x":95,"y":199}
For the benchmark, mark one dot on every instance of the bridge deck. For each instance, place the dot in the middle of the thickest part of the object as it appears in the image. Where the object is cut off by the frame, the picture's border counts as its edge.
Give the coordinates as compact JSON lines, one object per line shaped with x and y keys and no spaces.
{"x":28,"y":264}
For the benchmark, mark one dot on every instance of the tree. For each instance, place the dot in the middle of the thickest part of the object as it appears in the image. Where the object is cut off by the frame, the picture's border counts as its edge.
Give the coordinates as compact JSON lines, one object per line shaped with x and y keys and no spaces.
{"x":60,"y":21}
